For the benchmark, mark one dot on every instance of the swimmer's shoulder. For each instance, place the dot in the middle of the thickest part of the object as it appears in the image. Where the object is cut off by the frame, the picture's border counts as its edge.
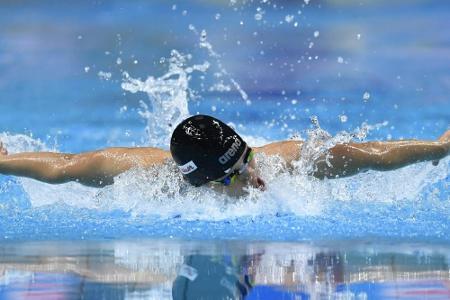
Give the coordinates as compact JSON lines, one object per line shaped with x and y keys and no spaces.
{"x":288,"y":150}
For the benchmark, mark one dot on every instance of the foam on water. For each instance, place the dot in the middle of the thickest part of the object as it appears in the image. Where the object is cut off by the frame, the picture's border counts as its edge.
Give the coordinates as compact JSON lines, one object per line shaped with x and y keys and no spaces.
{"x":162,"y":192}
{"x":409,"y":202}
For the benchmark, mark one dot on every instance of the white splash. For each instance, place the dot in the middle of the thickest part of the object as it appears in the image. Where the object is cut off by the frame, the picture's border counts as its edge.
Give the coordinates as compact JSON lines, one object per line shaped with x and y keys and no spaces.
{"x":222,"y":71}
{"x":168,"y":97}
{"x":162,"y":192}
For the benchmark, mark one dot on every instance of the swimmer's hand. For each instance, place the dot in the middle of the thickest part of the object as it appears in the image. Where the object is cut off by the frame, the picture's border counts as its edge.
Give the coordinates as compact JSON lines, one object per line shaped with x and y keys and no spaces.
{"x":3,"y":150}
{"x":445,"y":140}
{"x":258,"y":183}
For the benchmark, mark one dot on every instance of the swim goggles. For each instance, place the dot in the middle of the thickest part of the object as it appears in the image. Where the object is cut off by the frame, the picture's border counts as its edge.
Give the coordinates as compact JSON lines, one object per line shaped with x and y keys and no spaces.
{"x":231,"y":178}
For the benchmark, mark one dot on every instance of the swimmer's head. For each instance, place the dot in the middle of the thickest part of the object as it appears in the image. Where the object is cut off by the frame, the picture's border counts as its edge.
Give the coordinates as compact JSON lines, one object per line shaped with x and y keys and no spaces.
{"x":205,"y":149}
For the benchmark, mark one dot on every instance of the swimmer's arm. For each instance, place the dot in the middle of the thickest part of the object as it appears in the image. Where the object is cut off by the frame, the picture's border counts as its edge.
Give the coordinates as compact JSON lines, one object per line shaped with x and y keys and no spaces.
{"x":97,"y":168}
{"x":352,"y":158}
{"x":289,"y":151}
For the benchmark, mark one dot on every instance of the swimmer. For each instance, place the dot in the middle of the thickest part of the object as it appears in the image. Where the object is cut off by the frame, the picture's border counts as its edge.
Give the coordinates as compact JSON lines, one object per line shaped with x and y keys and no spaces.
{"x":209,"y":152}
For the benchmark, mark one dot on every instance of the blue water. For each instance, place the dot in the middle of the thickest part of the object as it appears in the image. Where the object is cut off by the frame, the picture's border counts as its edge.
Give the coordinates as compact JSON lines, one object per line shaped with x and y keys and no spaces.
{"x":394,"y":53}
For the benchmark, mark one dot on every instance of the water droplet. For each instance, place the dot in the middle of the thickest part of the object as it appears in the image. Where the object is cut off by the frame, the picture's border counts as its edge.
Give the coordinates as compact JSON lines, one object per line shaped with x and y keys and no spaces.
{"x":104,"y":75}
{"x":80,"y":37}
{"x":258,"y":17}
{"x":366,"y":96}
{"x":306,"y":1}
{"x":203,"y":35}
{"x":311,"y":44}
{"x":316,"y":34}
{"x":119,"y":61}
{"x":184,"y":13}
{"x":174,"y":7}
{"x":358,"y":36}
{"x":217,"y":16}
{"x":135,"y":62}
{"x":314,"y":121}
{"x":289,"y":18}
{"x":343,"y":118}
{"x":86,"y":69}
{"x":340,"y":60}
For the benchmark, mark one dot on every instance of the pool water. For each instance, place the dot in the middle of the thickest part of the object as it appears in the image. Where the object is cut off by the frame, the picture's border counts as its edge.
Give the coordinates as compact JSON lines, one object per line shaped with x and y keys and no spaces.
{"x":88,"y":75}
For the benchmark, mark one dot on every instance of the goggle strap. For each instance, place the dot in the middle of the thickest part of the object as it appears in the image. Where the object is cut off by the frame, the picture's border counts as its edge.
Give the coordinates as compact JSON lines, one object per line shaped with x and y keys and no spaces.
{"x":248,"y":155}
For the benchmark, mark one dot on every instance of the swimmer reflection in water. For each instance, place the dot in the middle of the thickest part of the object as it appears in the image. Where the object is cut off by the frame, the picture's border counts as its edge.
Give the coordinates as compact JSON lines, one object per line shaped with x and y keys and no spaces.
{"x":209,"y":152}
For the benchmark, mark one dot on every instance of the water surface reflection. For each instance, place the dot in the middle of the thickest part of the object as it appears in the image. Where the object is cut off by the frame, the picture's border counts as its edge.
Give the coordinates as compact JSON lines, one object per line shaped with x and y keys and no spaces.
{"x":222,"y":270}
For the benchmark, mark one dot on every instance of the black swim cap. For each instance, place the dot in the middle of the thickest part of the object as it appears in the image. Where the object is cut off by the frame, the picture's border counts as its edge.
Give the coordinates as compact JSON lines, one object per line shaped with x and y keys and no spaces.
{"x":205,"y":148}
